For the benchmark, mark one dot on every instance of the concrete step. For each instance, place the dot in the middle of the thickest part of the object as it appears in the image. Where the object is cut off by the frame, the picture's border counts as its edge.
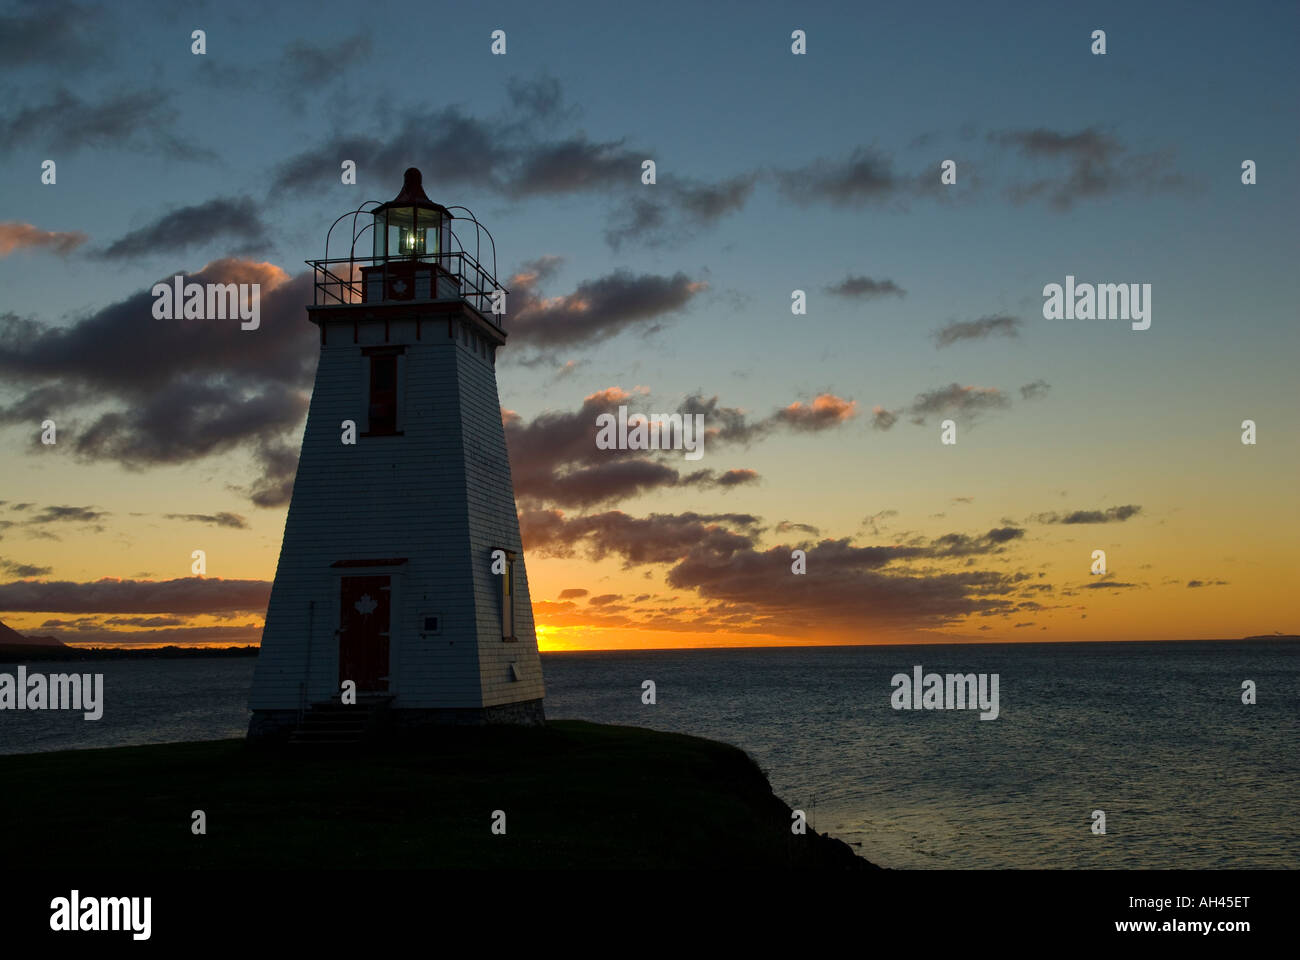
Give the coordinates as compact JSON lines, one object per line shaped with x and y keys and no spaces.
{"x":336,"y":723}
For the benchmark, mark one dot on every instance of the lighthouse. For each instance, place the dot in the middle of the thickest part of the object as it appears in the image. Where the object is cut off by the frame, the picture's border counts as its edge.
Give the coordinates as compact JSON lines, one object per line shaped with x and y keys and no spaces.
{"x":401,"y":598}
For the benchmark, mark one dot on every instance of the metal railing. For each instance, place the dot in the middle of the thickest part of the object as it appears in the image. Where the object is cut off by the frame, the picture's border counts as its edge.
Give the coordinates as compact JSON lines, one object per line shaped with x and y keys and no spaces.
{"x":456,"y":276}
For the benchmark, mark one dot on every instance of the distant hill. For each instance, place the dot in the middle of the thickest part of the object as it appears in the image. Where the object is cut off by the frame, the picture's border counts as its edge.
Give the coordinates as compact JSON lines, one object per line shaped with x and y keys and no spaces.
{"x":15,"y":646}
{"x":9,"y":637}
{"x":16,"y":653}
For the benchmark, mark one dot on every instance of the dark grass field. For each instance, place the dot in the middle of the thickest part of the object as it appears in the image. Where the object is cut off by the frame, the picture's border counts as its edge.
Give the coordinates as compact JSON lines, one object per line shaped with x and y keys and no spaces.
{"x":575,"y":795}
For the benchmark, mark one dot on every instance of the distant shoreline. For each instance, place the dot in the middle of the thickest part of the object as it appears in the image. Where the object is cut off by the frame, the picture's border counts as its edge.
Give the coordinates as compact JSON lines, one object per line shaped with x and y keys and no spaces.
{"x":23,"y":652}
{"x":925,"y":643}
{"x":14,"y":653}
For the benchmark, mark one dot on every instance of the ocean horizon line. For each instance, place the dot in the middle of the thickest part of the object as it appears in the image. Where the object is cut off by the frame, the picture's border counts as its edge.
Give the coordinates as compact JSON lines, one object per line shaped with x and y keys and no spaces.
{"x":758,"y":646}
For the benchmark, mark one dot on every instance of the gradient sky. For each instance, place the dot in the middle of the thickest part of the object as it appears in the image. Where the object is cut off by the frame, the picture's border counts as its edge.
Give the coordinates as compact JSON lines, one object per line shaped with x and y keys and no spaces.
{"x":775,"y":172}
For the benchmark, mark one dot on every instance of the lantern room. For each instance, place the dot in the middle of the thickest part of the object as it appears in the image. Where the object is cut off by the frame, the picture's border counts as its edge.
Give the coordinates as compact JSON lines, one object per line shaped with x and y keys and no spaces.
{"x":412,"y":248}
{"x":417,"y":253}
{"x":412,"y":225}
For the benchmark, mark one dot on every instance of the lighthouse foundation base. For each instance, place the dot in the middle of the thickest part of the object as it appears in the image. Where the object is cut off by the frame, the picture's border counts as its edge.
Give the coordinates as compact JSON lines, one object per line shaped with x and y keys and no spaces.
{"x":380,"y":721}
{"x":527,"y":713}
{"x":269,"y":726}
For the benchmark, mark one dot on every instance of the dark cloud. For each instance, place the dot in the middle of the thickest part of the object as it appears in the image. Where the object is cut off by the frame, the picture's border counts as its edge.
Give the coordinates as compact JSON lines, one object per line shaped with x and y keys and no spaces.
{"x":572,"y":592}
{"x":223,"y":519}
{"x":596,"y":309}
{"x":968,"y":402}
{"x":866,"y":176}
{"x":882,"y":419}
{"x":540,"y":97}
{"x":674,"y":211}
{"x":15,"y":569}
{"x":238,"y":636}
{"x":1111,"y":585}
{"x":453,"y":149}
{"x":572,"y":165}
{"x":191,"y":595}
{"x":144,"y":622}
{"x":864,"y":288}
{"x":981,"y":329}
{"x":1109,"y":515}
{"x":554,"y":459}
{"x":873,"y":522}
{"x":66,"y":514}
{"x":519,"y":154}
{"x":676,"y":538}
{"x":643,"y":219}
{"x":826,"y":411}
{"x":733,"y":425}
{"x":963,"y":545}
{"x":786,"y":526}
{"x":233,"y":219}
{"x":750,"y":590}
{"x":658,"y":538}
{"x":705,"y":203}
{"x":1086,"y":145}
{"x":724,"y":424}
{"x":98,"y":628}
{"x":1207,"y":583}
{"x":173,"y":391}
{"x":68,"y":36}
{"x":734,"y":478}
{"x":24,"y":236}
{"x":189,"y":420}
{"x":846,"y":587}
{"x":1035,"y":391}
{"x":109,"y":350}
{"x":509,"y":155}
{"x":35,"y":405}
{"x":310,"y":65}
{"x":67,"y":123}
{"x":613,"y":480}
{"x":1089,"y":164}
{"x":279,"y":463}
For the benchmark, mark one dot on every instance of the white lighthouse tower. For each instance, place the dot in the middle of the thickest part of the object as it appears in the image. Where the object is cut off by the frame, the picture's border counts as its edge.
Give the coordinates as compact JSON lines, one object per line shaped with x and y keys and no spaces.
{"x":401,"y":573}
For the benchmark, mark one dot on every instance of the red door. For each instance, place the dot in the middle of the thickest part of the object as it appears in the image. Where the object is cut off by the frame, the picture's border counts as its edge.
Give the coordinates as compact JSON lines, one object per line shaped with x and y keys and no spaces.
{"x":363,"y":632}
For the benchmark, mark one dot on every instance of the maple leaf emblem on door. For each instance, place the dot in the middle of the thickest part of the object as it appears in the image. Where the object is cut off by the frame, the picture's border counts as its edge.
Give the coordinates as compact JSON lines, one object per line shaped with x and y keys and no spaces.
{"x":366,"y":605}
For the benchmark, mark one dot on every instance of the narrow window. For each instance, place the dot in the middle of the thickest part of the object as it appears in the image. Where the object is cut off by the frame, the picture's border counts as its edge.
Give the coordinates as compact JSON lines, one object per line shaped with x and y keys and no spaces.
{"x":383,"y":393}
{"x":508,"y":600}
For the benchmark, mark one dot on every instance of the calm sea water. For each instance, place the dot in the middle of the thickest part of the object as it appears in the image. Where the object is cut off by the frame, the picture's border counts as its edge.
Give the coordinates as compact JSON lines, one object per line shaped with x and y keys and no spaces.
{"x":1155,"y":735}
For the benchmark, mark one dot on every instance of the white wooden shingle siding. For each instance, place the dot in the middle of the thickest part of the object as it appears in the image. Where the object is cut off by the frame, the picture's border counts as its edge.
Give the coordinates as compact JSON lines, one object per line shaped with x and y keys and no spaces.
{"x":440,"y":496}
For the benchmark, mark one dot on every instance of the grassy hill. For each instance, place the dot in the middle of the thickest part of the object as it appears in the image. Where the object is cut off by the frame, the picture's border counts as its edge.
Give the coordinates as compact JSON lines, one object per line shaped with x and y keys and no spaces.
{"x":575,"y":795}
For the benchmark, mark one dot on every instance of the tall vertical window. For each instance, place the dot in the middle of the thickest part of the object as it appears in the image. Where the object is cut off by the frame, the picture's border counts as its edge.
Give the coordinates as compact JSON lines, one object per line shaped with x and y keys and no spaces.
{"x":383,"y":393}
{"x":508,"y":599}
